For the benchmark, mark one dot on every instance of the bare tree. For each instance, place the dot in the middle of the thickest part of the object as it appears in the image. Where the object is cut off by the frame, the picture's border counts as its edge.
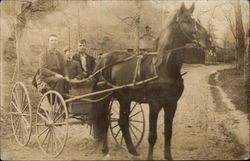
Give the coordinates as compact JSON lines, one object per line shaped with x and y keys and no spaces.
{"x":240,"y":35}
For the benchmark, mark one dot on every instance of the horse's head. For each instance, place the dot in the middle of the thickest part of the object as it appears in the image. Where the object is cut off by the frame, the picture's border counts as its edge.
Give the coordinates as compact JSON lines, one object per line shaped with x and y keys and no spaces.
{"x":190,"y":27}
{"x":181,"y":30}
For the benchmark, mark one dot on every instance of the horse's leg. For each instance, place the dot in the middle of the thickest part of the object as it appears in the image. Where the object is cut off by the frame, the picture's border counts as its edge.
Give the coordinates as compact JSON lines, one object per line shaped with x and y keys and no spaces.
{"x":154,"y":110}
{"x":124,"y":125}
{"x":104,"y":127}
{"x":100,"y":124}
{"x":169,"y":112}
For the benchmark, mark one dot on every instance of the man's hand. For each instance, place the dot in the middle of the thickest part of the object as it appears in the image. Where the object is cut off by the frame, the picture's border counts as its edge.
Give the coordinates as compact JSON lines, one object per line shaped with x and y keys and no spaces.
{"x":59,"y":76}
{"x":67,"y":78}
{"x":189,"y":45}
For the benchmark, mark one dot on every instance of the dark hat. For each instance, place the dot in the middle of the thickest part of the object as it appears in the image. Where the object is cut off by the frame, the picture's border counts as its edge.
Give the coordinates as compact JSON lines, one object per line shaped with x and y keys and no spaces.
{"x":148,"y":27}
{"x":66,"y":49}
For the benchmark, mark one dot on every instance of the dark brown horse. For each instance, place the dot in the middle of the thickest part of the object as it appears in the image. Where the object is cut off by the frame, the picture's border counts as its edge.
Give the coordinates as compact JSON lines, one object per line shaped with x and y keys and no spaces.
{"x":163,"y":93}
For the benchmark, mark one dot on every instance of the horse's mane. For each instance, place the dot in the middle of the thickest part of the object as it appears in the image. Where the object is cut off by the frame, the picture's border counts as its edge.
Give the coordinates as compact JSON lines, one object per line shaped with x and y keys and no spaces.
{"x":165,"y":39}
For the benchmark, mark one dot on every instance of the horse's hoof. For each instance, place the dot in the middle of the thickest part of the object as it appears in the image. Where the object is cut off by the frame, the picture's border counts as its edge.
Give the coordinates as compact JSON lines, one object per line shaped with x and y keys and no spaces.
{"x":134,"y":152}
{"x":106,"y":157}
{"x":168,"y":158}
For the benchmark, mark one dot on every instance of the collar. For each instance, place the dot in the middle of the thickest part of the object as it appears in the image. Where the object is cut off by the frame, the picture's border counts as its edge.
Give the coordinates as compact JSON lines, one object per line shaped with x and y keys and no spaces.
{"x":69,"y":60}
{"x":82,"y":54}
{"x":52,"y":51}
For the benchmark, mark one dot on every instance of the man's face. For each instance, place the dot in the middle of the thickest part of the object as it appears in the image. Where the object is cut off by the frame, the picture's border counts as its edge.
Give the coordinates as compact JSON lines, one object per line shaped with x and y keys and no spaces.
{"x":53,"y":42}
{"x":69,"y":55}
{"x":82,"y":47}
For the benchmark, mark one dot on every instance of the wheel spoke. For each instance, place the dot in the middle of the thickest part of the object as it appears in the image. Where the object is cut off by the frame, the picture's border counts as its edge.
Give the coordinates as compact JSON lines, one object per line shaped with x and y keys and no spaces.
{"x":61,"y":144}
{"x":45,"y":137}
{"x":135,"y":127}
{"x":20,"y":114}
{"x":25,"y":107}
{"x":47,"y":128}
{"x":117,"y":105}
{"x":49,"y":142}
{"x":56,"y":119}
{"x":133,"y":108}
{"x":15,"y":119}
{"x":18,"y":110}
{"x":17,"y":127}
{"x":44,"y":118}
{"x":54,"y":108}
{"x":52,"y":142}
{"x":135,"y":114}
{"x":51,"y":105}
{"x":113,"y":119}
{"x":19,"y":131}
{"x":46,"y":113}
{"x":59,"y":130}
{"x":16,"y":98}
{"x":57,"y":110}
{"x":54,"y":139}
{"x":133,"y":133}
{"x":23,"y":98}
{"x":113,"y":109}
{"x":136,"y":121}
{"x":25,"y":121}
{"x":26,"y":125}
{"x":23,"y":131}
{"x":121,"y":140}
{"x":117,"y":133}
{"x":114,"y":126}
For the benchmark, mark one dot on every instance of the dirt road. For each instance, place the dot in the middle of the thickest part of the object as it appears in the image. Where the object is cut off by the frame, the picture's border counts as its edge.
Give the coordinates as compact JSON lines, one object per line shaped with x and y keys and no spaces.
{"x":201,"y":131}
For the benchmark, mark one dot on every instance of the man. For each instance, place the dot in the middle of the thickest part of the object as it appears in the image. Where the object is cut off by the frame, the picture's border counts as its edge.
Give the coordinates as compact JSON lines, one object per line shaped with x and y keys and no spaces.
{"x":51,"y":67}
{"x":73,"y":67}
{"x":87,"y":61}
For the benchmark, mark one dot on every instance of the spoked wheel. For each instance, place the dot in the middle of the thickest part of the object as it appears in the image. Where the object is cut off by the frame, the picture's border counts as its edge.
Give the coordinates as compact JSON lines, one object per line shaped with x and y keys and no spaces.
{"x":136,"y":123}
{"x":20,"y":113}
{"x":52,"y":123}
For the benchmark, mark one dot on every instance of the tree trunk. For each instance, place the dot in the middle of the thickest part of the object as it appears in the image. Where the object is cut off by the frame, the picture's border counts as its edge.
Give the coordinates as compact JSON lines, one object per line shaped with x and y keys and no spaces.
{"x":247,"y":60}
{"x":240,"y":36}
{"x":247,"y":69}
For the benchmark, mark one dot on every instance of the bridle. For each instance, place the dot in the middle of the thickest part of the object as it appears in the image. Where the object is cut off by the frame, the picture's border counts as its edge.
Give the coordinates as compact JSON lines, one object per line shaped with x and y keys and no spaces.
{"x":195,"y":42}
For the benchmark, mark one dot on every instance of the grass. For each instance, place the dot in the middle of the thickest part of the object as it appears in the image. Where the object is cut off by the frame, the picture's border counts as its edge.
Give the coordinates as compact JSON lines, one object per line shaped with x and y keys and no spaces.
{"x":217,"y":99}
{"x":233,"y":83}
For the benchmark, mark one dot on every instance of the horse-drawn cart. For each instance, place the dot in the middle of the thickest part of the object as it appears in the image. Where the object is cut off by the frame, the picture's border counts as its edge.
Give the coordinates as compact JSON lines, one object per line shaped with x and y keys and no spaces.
{"x":53,"y":113}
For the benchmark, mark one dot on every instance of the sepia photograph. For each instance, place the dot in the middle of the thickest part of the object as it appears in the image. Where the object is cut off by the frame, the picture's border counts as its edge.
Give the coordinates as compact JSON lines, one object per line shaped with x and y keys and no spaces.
{"x":124,"y":80}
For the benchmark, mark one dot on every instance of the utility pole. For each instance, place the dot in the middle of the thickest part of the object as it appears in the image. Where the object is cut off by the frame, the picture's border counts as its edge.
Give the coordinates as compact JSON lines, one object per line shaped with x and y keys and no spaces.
{"x":69,"y":35}
{"x":137,"y":27}
{"x":137,"y":34}
{"x":79,"y":21}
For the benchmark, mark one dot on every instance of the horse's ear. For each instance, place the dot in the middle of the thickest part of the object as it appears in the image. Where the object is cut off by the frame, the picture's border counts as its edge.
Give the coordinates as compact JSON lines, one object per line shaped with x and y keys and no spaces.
{"x":191,"y":9}
{"x":183,"y":8}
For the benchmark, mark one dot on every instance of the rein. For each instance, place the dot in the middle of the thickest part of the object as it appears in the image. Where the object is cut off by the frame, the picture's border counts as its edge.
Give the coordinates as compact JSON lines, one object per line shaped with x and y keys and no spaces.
{"x":192,"y":44}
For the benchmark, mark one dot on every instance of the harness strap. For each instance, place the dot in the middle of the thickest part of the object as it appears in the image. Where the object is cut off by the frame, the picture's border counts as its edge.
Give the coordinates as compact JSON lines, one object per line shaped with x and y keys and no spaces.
{"x":138,"y":69}
{"x":154,"y":66}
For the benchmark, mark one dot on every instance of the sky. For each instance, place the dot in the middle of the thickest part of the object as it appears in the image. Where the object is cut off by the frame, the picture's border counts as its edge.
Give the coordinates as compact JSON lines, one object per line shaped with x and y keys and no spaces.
{"x":220,"y":23}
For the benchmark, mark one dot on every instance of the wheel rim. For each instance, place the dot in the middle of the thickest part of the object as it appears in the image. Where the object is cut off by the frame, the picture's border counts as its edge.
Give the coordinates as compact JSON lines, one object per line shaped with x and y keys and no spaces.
{"x":136,"y":123}
{"x":52,"y":124}
{"x":20,"y":113}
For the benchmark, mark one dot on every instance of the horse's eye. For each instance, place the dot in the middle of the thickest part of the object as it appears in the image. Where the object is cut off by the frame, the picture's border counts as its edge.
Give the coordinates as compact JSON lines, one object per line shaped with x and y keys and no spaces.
{"x":186,"y":21}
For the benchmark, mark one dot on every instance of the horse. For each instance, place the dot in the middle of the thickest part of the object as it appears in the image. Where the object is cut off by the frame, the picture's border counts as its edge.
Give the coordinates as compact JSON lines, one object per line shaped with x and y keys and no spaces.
{"x":181,"y":31}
